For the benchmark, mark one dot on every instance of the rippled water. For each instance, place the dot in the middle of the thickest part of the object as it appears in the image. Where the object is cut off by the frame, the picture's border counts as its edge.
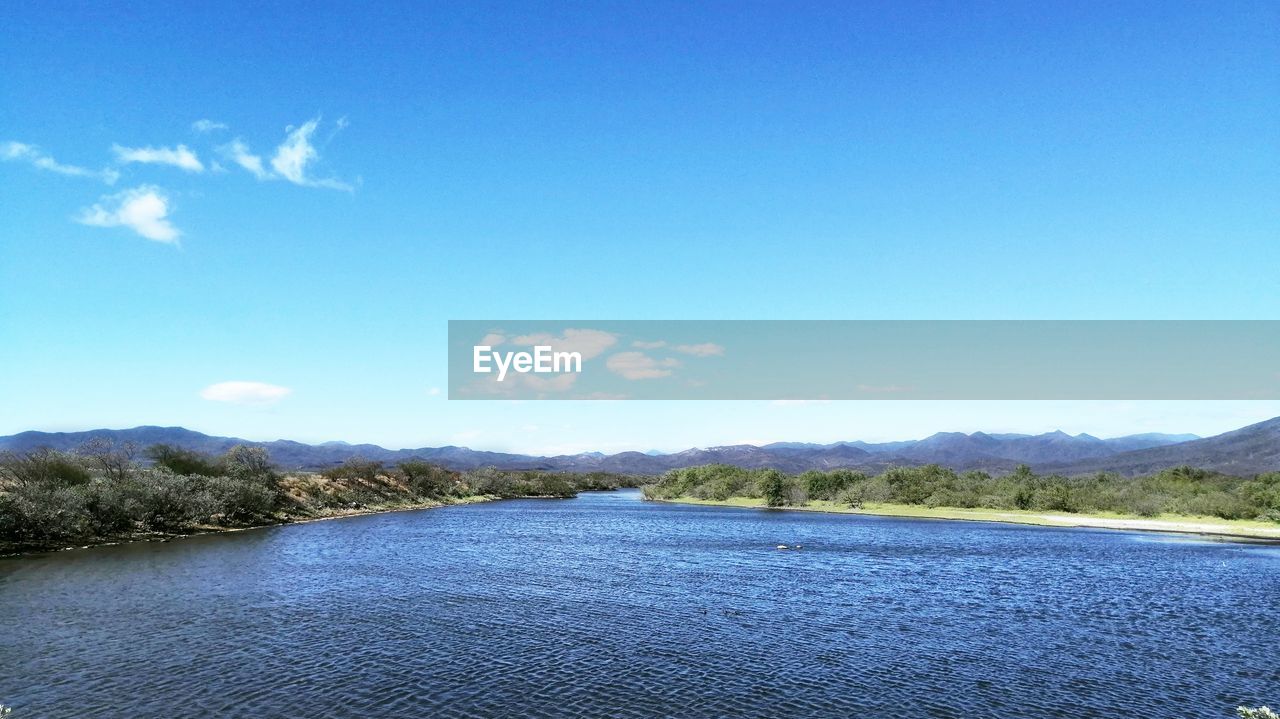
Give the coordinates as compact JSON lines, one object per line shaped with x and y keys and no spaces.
{"x":610,"y":606}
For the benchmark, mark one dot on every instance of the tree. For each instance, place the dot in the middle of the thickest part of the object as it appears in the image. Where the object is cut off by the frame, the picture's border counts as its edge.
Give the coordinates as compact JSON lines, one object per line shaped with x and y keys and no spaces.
{"x":246,"y":462}
{"x":42,"y":467}
{"x":772,"y":486}
{"x":184,"y":461}
{"x":114,"y":459}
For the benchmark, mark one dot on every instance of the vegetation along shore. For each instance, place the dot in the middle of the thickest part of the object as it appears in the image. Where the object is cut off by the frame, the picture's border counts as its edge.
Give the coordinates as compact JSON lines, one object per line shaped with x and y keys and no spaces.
{"x":107,"y":492}
{"x":1182,"y":500}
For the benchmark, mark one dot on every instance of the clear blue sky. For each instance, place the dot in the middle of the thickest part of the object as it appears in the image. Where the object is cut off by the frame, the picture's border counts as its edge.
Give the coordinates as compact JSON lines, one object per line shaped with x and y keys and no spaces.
{"x":595,"y":160}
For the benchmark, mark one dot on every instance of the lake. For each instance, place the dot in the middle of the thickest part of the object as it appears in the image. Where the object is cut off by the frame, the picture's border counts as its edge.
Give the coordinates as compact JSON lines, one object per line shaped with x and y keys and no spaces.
{"x":607,"y":605}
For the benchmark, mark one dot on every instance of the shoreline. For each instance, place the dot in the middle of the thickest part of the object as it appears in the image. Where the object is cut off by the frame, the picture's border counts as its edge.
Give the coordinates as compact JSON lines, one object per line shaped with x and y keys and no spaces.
{"x":206,"y":530}
{"x":1225,"y":529}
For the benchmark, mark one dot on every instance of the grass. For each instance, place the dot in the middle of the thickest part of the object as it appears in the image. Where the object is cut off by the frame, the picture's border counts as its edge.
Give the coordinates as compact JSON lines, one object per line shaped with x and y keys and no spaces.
{"x":1177,"y":523}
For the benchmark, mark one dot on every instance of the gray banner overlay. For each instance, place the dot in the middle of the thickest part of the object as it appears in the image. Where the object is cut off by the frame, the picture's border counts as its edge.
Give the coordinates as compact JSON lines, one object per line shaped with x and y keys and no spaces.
{"x":862,"y":359}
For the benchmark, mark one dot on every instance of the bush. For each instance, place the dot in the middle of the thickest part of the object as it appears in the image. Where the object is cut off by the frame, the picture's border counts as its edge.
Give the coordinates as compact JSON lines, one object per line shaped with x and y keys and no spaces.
{"x":43,"y":467}
{"x":355,"y":468}
{"x":43,"y":512}
{"x":184,"y":461}
{"x":428,"y":480}
{"x":772,"y":487}
{"x":851,"y":497}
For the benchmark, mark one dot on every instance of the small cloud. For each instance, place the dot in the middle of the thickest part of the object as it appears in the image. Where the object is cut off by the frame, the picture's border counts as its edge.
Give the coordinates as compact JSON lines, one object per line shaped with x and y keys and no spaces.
{"x":706,"y":349}
{"x":590,"y":343}
{"x":144,"y":209}
{"x":257,"y":394}
{"x":638,"y":365}
{"x":180,"y":156}
{"x":22,"y":152}
{"x":639,"y":344}
{"x":202,"y":127}
{"x":296,"y":153}
{"x":434,"y":392}
{"x":493,"y":339}
{"x":238,"y":152}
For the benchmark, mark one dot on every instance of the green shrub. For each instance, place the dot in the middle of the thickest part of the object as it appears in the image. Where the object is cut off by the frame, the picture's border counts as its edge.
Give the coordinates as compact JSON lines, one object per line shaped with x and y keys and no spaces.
{"x":184,"y":461}
{"x":772,"y":487}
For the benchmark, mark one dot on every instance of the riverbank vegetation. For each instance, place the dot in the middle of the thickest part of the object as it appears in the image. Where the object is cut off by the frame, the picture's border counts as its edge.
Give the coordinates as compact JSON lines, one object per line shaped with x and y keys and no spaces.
{"x":1179,"y":491}
{"x":107,"y":492}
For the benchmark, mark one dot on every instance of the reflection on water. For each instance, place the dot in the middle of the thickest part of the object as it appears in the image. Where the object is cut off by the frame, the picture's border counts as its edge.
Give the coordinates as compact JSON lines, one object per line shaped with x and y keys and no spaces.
{"x":610,"y":606}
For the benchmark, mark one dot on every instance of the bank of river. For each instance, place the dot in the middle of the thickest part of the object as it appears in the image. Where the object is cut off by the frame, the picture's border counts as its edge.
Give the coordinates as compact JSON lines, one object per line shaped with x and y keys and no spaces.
{"x":1170,"y":523}
{"x":607,"y":605}
{"x":312,"y":515}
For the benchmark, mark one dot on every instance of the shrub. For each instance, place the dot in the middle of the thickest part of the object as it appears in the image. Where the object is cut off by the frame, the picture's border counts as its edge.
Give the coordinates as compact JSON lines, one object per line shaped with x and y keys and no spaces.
{"x":772,"y":487}
{"x":355,"y":468}
{"x":851,"y":497}
{"x":184,"y":461}
{"x":428,"y":480}
{"x":45,"y":467}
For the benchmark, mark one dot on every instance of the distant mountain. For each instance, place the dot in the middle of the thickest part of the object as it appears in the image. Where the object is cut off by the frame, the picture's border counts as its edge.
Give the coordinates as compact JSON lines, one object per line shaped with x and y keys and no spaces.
{"x":1245,"y":451}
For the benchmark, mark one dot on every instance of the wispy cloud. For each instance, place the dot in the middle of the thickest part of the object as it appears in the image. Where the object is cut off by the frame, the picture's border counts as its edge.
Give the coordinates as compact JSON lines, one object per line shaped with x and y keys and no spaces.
{"x":205,"y":126}
{"x":256,"y":394}
{"x":22,"y":152}
{"x":638,"y":365}
{"x":181,"y":156}
{"x":640,"y":344}
{"x":591,"y":343}
{"x":706,"y":349}
{"x":143,"y":209}
{"x":238,"y":152}
{"x":297,"y":152}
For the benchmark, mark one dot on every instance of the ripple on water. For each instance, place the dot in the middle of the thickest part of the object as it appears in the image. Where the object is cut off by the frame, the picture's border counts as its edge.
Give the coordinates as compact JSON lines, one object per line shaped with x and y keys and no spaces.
{"x":608,"y":606}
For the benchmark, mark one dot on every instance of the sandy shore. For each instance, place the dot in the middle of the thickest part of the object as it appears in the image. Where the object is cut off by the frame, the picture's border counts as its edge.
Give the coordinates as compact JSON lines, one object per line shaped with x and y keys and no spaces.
{"x":1171,"y":524}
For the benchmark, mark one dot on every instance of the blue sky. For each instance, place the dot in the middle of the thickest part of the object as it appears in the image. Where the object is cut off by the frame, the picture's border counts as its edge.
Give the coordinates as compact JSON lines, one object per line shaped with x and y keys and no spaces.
{"x":596,"y":161}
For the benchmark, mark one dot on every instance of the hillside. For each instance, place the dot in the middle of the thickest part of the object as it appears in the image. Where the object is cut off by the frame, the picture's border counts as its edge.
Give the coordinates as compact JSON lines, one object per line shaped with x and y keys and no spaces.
{"x":1246,"y":451}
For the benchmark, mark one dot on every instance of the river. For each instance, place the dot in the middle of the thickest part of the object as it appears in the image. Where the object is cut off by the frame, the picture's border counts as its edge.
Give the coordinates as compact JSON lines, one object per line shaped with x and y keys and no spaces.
{"x":607,"y":605}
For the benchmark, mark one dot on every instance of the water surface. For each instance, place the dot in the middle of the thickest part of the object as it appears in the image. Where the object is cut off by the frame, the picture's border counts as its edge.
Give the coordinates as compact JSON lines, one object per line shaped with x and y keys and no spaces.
{"x":606,"y":605}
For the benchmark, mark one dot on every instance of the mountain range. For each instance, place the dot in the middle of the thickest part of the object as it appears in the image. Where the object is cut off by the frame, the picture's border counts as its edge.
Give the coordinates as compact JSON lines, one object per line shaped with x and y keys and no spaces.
{"x":1246,"y":451}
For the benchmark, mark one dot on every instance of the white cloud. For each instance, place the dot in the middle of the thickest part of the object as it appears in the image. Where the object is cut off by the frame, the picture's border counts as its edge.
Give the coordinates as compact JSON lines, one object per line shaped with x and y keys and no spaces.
{"x":296,"y":153}
{"x":180,"y":156}
{"x":493,"y":339}
{"x":259,"y":394}
{"x":706,"y":349}
{"x":638,"y":365}
{"x":434,"y":392}
{"x":143,"y":209}
{"x":22,"y":152}
{"x":206,"y":125}
{"x":590,"y":343}
{"x":238,"y":152}
{"x":648,"y":345}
